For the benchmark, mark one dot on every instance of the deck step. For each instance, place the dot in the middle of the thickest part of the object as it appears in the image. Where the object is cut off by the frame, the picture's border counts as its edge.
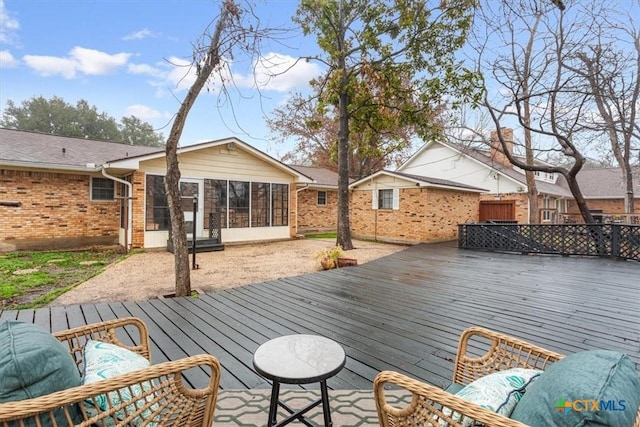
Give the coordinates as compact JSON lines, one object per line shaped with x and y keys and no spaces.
{"x":202,"y":245}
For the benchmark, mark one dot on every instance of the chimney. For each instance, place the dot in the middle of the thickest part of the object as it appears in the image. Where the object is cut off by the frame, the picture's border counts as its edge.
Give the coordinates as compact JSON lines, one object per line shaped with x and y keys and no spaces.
{"x":496,"y":152}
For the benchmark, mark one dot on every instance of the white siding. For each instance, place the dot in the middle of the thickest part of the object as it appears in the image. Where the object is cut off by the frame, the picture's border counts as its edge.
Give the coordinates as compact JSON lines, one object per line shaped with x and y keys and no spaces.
{"x":220,"y":163}
{"x":439,"y":161}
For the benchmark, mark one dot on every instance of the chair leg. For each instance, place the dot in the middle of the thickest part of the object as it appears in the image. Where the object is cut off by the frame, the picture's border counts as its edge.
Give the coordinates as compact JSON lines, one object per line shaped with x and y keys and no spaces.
{"x":326,"y":409}
{"x":273,"y":406}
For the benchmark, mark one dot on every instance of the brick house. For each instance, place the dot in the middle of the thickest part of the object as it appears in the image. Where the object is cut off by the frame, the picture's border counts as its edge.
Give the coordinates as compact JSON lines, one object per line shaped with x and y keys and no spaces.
{"x":507,"y":198}
{"x":64,"y":192}
{"x":317,"y":201}
{"x":404,"y":208}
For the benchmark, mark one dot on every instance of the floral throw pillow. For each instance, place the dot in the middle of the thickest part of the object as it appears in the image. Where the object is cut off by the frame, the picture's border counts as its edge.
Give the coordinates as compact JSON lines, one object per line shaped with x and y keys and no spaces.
{"x":498,"y":392}
{"x":104,"y":360}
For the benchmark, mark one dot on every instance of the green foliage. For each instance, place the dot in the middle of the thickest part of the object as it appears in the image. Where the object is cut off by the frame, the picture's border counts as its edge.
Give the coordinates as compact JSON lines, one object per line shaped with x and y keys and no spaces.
{"x":395,"y":60}
{"x":321,"y":236}
{"x":57,"y":117}
{"x":32,"y":279}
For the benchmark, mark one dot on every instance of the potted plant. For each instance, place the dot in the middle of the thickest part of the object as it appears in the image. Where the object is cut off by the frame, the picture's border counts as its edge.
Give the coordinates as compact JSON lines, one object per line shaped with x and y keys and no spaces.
{"x":328,"y":257}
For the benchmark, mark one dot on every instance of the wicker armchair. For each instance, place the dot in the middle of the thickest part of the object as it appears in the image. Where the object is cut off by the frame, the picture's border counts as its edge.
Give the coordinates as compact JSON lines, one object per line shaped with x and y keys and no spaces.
{"x":167,"y":402}
{"x":504,"y":352}
{"x":480,"y":352}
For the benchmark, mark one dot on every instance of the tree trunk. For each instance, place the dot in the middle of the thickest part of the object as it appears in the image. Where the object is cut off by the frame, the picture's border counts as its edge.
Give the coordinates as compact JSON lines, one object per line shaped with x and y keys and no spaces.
{"x":172,"y":179}
{"x":344,"y":224}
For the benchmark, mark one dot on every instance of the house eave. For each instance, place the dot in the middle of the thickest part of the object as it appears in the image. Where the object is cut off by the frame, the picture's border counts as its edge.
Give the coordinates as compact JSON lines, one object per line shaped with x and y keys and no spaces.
{"x":50,"y":166}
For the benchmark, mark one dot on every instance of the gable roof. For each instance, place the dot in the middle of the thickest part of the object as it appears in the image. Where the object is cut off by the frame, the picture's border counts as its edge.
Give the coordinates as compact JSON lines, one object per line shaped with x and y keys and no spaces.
{"x":423,"y":181}
{"x":44,"y":151}
{"x":321,"y":177}
{"x":560,"y":188}
{"x":231,"y":143}
{"x":41,"y":150}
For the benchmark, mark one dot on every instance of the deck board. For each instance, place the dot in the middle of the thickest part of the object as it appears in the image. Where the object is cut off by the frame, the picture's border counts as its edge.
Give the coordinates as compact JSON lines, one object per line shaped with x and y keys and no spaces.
{"x":403,"y":312}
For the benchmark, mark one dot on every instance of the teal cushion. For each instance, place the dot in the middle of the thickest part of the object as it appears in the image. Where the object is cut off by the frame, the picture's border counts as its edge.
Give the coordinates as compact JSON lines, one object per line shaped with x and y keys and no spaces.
{"x":597,"y":387}
{"x":103,"y":361}
{"x":498,"y":392}
{"x":33,"y":363}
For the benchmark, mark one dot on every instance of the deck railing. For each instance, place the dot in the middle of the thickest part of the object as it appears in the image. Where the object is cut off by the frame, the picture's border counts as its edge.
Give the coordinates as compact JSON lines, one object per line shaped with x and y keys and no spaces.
{"x":610,"y":240}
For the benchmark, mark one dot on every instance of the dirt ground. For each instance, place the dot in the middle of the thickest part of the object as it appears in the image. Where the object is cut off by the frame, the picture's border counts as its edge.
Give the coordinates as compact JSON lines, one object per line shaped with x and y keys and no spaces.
{"x":151,"y":274}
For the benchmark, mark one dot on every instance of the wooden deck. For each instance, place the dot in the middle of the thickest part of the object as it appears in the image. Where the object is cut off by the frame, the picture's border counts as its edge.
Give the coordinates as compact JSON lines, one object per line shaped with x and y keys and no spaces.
{"x":403,"y":312}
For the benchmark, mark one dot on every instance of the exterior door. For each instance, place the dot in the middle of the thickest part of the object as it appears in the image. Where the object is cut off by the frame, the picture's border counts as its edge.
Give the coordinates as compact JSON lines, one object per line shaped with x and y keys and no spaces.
{"x":498,"y":210}
{"x":190,"y":189}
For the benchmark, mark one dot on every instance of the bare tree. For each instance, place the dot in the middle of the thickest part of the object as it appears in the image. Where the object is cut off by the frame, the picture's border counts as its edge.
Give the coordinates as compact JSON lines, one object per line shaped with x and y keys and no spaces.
{"x":610,"y":67}
{"x":549,"y":99}
{"x":230,"y":33}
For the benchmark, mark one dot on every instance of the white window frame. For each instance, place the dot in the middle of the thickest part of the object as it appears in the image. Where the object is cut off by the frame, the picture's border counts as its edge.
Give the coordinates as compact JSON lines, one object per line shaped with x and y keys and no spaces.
{"x":113,"y":189}
{"x":395,"y":203}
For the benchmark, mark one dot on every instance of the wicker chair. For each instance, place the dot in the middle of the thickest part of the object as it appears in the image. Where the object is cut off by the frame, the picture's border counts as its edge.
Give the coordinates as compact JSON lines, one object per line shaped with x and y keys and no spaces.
{"x":427,"y":401}
{"x":168,"y":402}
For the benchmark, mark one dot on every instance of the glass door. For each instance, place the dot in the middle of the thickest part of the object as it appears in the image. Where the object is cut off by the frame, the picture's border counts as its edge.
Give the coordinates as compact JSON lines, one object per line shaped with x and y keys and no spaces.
{"x":190,"y":190}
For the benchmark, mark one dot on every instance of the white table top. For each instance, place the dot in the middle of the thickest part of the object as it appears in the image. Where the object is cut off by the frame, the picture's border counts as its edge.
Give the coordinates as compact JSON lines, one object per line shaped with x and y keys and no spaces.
{"x":299,"y":359}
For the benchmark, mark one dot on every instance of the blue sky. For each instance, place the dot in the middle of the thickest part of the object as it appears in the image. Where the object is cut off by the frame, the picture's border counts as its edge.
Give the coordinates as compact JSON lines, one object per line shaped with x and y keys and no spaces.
{"x":122,"y":56}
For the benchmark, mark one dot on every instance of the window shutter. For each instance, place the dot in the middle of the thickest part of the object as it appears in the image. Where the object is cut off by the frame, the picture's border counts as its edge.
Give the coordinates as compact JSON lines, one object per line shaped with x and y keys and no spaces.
{"x":374,"y":199}
{"x":396,"y":199}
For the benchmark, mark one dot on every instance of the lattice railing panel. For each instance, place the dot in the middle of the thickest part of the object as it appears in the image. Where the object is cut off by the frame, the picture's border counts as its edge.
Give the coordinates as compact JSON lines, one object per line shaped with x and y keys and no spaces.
{"x":567,"y":239}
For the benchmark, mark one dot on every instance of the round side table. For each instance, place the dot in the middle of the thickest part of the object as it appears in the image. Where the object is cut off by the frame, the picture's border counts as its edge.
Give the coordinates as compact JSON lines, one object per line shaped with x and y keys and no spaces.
{"x":299,"y":359}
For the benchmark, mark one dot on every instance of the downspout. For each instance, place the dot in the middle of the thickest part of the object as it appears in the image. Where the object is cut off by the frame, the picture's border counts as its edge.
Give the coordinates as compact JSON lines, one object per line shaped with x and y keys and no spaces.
{"x":298,"y":206}
{"x":128,"y":235}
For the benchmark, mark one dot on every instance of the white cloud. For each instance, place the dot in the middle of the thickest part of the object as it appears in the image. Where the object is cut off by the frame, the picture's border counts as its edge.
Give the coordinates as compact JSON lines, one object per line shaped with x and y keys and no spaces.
{"x":282,"y":73}
{"x":139,"y":35}
{"x":181,"y":74}
{"x":279,"y":73}
{"x":272,"y":72}
{"x":8,"y":26}
{"x":79,"y":61}
{"x":144,"y":113}
{"x":51,"y":65}
{"x":7,"y":60}
{"x":94,"y":62}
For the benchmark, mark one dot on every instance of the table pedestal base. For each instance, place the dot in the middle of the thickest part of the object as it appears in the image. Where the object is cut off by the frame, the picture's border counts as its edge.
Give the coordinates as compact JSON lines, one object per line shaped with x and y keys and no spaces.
{"x":298,"y":415}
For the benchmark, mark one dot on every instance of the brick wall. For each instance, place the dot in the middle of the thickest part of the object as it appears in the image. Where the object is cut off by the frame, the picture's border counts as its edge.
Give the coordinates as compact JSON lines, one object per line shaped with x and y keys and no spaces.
{"x":312,"y":216}
{"x":425,"y":215}
{"x":137,"y":231}
{"x":610,"y":206}
{"x":53,"y":206}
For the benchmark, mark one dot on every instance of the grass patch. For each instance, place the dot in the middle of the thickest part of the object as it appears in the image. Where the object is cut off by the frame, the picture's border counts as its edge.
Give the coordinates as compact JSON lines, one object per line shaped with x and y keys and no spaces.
{"x":332,"y":235}
{"x":33,"y":279}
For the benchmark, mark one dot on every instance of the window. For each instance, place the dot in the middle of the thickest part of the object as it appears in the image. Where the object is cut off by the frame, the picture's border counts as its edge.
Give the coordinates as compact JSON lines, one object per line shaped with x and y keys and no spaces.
{"x":157,"y":207}
{"x":215,"y":200}
{"x":279,"y":204}
{"x":385,"y":199}
{"x":238,"y":204}
{"x":546,"y":212}
{"x":102,"y":189}
{"x":260,"y":204}
{"x":322,"y":198}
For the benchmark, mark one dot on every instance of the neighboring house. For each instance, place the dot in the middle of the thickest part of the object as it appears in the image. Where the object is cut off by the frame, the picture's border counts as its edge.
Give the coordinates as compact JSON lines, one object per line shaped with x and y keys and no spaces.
{"x":63,"y":192}
{"x":408,"y":208}
{"x":318,"y":201}
{"x":507,"y":197}
{"x":604,"y":192}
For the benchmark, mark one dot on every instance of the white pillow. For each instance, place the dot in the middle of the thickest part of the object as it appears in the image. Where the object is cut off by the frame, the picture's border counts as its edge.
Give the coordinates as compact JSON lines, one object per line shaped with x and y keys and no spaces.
{"x":104,"y":360}
{"x":498,"y":392}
